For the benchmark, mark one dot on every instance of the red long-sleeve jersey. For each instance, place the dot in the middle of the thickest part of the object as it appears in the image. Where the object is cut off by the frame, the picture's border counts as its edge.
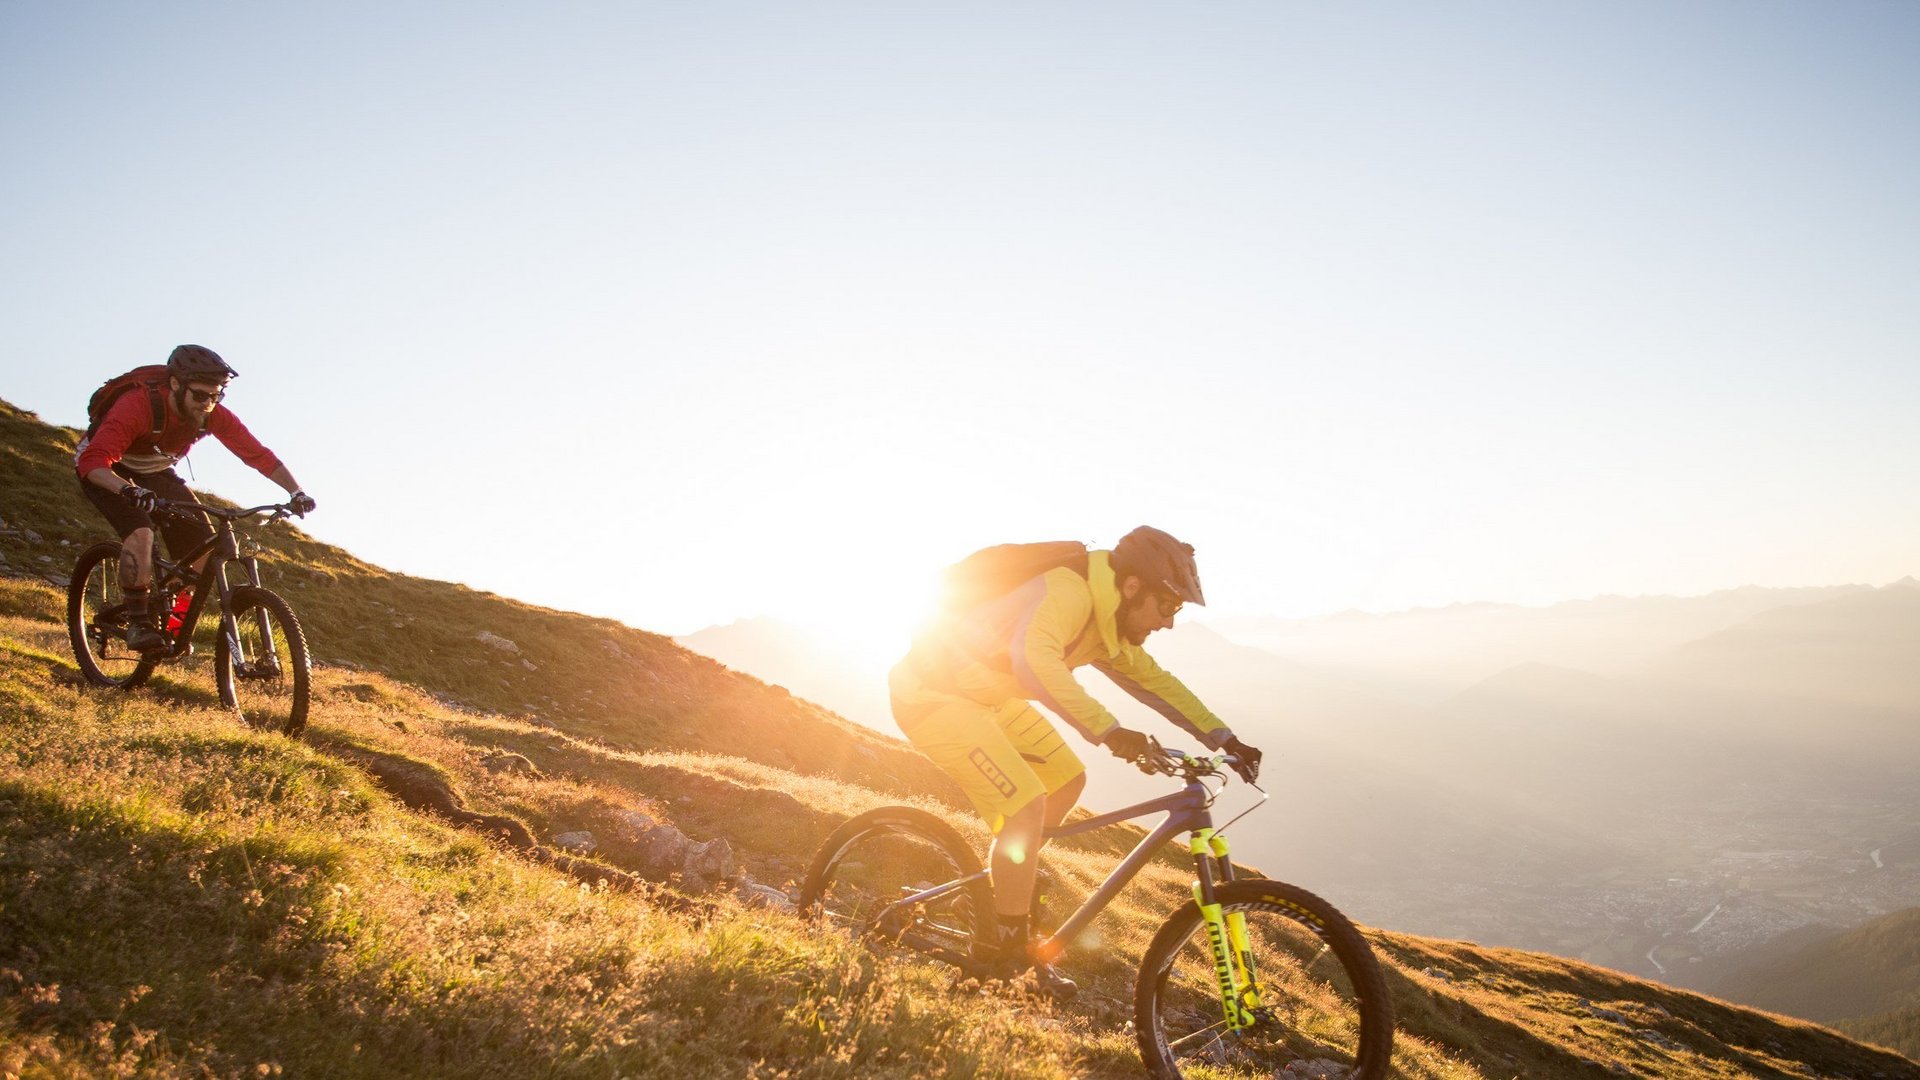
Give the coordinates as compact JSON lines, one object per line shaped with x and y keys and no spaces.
{"x":125,"y":436}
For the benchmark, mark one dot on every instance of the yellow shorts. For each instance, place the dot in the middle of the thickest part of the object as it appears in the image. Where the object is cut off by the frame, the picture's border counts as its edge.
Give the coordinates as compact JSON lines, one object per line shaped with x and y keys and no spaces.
{"x":1004,"y":756}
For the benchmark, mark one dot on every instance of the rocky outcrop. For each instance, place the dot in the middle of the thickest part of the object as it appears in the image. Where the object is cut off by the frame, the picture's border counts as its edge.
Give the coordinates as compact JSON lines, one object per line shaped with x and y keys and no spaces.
{"x":660,"y":851}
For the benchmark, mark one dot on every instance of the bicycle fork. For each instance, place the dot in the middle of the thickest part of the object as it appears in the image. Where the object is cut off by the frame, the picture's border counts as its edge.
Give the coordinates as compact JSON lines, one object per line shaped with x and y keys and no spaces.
{"x":1226,"y":934}
{"x":269,"y":664}
{"x":265,"y":662}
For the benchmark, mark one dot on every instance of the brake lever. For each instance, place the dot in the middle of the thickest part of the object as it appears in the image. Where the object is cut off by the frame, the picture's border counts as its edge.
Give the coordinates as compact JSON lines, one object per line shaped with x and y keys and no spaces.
{"x":1234,"y":762}
{"x":1170,"y":761}
{"x":1158,"y":760}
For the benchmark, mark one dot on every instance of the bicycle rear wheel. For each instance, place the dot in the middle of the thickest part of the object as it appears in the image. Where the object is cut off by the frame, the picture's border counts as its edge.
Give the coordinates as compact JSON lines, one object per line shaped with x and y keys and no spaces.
{"x":1322,"y":1007}
{"x":875,"y":859}
{"x":97,"y":621}
{"x":268,"y":681}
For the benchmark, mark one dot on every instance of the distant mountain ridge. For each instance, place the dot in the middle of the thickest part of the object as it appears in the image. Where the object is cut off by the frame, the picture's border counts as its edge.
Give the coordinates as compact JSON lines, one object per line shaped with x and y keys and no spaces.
{"x":1871,"y":969}
{"x":1865,"y":981}
{"x":1428,"y":653}
{"x":1859,"y":649}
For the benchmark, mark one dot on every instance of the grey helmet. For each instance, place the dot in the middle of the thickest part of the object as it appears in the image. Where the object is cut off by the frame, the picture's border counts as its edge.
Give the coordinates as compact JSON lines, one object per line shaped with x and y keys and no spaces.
{"x":1160,"y":561}
{"x":198,"y":362}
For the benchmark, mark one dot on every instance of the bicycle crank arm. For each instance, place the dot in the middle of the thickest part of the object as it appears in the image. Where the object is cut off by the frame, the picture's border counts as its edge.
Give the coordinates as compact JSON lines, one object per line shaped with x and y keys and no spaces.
{"x":962,"y":960}
{"x":938,"y":947}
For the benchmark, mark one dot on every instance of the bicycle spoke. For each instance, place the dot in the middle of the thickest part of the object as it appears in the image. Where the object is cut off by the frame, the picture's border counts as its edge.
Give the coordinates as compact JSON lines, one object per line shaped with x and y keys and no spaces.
{"x":1321,"y":1000}
{"x":261,"y":662}
{"x":97,"y":621}
{"x":873,"y":875}
{"x":866,"y":871}
{"x":1209,"y":1034}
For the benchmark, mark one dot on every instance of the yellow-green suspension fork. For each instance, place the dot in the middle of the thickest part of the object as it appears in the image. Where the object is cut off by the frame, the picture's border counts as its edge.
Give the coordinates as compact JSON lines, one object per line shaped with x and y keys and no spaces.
{"x":1227,"y":935}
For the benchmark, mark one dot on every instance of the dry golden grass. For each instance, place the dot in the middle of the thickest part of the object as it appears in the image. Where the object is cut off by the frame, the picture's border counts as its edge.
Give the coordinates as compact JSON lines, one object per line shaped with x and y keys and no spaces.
{"x":185,"y":897}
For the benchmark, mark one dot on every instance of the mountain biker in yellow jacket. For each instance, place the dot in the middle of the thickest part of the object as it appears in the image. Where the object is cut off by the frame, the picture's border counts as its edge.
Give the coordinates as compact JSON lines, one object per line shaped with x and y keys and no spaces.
{"x":963,"y":697}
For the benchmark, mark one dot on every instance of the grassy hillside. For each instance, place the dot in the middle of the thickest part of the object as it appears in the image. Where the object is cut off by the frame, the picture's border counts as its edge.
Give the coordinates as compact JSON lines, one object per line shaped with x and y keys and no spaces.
{"x":590,"y":677}
{"x":180,"y":896}
{"x":1897,"y":1028}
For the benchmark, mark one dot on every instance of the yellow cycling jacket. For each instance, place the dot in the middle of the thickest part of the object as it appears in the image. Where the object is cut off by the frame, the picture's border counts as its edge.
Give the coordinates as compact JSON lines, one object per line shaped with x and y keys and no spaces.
{"x":1026,"y":645}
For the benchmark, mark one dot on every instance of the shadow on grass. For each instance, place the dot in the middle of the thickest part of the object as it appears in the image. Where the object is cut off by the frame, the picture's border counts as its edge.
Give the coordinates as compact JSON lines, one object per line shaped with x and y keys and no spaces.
{"x":100,"y":901}
{"x":186,"y":687}
{"x":241,"y":953}
{"x":420,"y":785}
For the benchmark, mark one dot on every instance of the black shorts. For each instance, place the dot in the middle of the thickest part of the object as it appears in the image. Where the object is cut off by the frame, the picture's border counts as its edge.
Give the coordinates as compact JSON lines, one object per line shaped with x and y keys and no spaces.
{"x":181,"y":532}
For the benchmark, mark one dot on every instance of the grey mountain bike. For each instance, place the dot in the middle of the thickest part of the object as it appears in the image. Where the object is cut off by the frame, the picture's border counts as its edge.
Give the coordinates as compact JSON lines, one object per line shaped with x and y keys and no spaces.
{"x":1249,"y":978}
{"x":260,"y":661}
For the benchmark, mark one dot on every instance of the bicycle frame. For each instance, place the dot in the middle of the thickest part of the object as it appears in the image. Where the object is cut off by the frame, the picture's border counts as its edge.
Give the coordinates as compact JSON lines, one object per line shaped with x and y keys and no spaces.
{"x":1189,"y":810}
{"x":224,"y":547}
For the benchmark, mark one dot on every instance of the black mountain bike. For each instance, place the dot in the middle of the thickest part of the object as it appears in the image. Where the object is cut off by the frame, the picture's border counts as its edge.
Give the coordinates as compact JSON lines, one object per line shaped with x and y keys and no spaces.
{"x":260,"y":660}
{"x":1250,"y":978}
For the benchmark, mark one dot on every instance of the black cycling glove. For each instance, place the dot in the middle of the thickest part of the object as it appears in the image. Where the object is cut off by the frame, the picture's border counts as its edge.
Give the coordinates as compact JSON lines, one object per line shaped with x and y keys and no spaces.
{"x":1246,"y":758}
{"x":302,"y":503}
{"x":143,"y":500}
{"x":1127,"y":744}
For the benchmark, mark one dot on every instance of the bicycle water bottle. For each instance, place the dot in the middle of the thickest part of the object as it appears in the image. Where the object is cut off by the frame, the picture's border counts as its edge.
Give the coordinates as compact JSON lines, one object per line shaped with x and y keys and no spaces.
{"x":178,"y":614}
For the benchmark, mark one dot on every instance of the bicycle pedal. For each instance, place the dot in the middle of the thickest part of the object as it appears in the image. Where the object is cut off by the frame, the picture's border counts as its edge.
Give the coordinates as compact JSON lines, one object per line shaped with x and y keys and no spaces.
{"x":1052,"y":984}
{"x":1041,"y":980}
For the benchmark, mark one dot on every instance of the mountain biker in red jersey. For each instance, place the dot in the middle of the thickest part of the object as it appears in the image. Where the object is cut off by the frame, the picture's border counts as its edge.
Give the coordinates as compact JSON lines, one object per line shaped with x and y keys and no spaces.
{"x":125,"y":469}
{"x":963,"y":697}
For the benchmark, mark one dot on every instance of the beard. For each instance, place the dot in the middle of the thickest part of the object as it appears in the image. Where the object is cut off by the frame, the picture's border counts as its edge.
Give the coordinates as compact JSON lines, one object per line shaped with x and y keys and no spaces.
{"x":180,"y":406}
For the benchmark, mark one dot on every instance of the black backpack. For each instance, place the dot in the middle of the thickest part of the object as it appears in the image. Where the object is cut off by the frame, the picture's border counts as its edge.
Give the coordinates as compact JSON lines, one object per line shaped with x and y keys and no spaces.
{"x":152,"y":378}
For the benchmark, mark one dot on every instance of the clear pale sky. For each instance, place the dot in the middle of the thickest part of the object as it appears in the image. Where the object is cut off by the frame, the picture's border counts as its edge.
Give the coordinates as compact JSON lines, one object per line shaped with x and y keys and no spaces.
{"x":678,"y":313}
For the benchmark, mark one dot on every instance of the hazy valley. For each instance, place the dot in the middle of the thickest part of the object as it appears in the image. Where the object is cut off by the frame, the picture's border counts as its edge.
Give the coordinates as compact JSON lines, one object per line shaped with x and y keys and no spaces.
{"x":1668,"y":786}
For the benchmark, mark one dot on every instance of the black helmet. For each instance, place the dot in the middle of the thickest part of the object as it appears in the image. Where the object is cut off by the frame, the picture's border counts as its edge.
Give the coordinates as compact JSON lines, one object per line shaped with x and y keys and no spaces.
{"x":1161,"y":562}
{"x":198,"y":362}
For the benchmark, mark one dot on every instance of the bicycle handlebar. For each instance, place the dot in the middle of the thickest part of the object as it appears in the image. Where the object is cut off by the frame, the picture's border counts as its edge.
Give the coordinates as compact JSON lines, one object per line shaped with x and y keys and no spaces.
{"x":1167,"y":761}
{"x":278,"y":510}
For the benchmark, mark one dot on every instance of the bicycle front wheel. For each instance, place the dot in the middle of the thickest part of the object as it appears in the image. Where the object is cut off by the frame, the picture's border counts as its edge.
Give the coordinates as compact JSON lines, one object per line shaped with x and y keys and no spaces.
{"x":1318,"y":1000}
{"x":267,"y":679}
{"x":876,"y":859}
{"x":97,"y":621}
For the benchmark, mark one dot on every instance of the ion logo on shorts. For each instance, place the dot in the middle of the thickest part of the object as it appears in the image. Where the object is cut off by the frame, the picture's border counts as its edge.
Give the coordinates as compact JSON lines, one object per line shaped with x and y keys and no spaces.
{"x":992,"y":772}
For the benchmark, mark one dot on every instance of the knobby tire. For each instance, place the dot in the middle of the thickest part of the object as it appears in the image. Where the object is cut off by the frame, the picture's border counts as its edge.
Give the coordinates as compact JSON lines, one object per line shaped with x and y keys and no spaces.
{"x":877,"y":857}
{"x":277,"y":702}
{"x":1325,"y":1008}
{"x":94,"y":588}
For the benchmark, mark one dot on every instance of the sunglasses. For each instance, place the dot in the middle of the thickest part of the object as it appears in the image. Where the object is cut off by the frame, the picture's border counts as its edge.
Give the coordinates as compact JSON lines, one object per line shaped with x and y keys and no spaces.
{"x":1168,"y":604}
{"x":205,"y":395}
